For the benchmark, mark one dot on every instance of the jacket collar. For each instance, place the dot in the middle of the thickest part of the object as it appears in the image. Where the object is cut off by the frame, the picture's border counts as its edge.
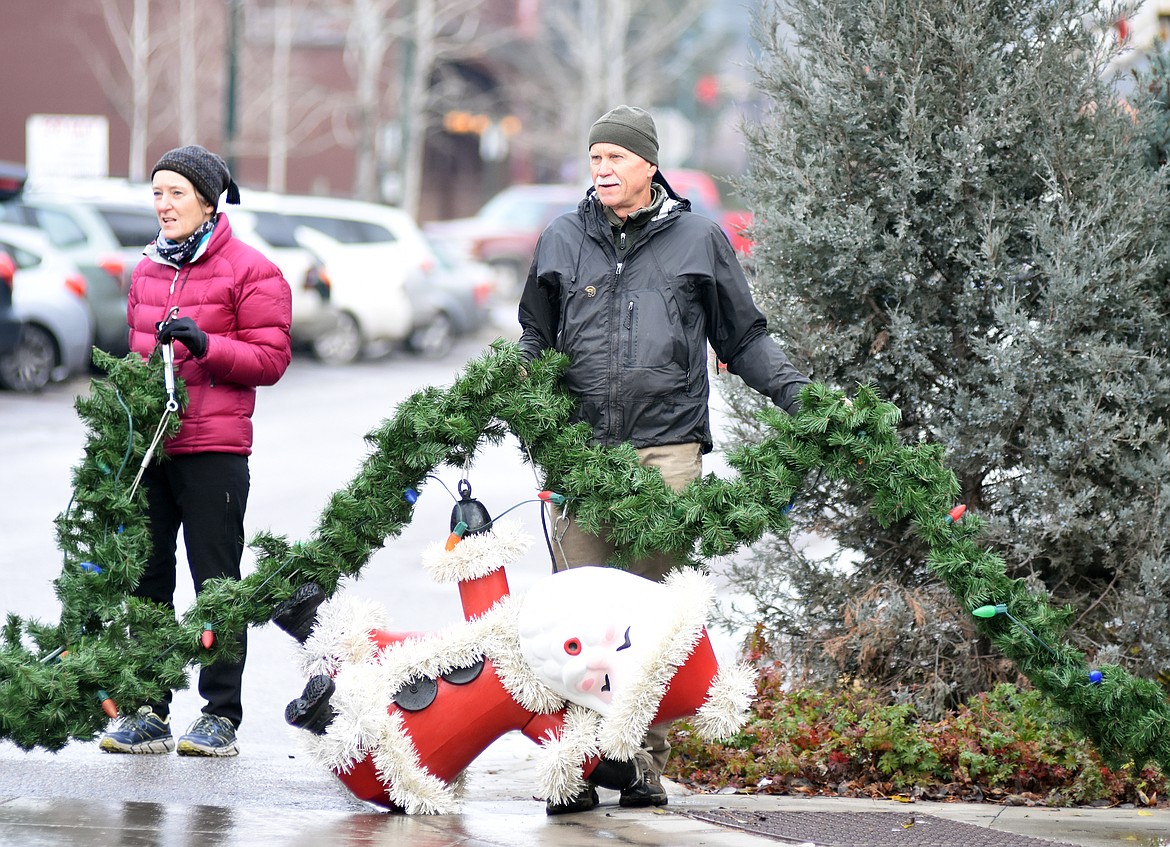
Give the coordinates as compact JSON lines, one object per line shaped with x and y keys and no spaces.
{"x":221,"y":232}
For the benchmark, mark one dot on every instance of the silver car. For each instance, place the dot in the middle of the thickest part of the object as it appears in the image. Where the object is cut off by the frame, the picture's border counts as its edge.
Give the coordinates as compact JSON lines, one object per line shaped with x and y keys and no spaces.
{"x":105,"y":235}
{"x":48,"y":295}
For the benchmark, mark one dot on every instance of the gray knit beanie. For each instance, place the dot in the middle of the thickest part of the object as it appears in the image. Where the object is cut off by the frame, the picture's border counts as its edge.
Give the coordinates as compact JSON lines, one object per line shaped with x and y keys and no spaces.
{"x":628,"y":127}
{"x":207,"y":172}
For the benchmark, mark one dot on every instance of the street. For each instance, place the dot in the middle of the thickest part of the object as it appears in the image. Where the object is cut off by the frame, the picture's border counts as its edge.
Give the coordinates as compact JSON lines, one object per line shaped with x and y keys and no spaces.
{"x":309,"y":431}
{"x":309,"y":442}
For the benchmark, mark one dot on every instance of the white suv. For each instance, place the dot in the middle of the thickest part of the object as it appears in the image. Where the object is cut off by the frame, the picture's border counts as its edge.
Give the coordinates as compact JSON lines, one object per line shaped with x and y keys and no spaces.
{"x":373,"y":254}
{"x":316,"y":323}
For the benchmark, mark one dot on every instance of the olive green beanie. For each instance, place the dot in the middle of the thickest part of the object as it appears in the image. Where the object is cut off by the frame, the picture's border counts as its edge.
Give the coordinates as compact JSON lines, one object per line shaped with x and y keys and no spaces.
{"x":628,"y":127}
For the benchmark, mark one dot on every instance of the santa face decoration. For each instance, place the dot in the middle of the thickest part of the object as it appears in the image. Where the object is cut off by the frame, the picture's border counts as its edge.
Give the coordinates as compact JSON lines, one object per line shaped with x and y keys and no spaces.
{"x":588,"y":633}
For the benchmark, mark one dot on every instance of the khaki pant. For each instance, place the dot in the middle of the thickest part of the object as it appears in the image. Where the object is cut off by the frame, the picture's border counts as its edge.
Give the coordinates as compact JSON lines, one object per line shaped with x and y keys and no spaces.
{"x":679,"y":464}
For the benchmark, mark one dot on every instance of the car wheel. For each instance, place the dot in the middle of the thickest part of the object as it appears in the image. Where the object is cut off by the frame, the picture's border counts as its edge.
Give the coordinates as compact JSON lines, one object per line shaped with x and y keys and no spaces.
{"x":30,"y":365}
{"x":434,"y":340}
{"x":342,"y":344}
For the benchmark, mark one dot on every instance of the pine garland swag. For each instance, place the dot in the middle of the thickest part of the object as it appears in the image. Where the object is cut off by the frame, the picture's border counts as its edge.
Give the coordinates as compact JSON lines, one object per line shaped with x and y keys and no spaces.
{"x":50,"y":693}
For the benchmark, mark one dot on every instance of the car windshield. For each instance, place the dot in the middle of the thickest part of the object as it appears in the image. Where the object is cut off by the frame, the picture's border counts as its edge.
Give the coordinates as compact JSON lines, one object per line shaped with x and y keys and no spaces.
{"x":522,"y":209}
{"x":61,"y":229}
{"x":276,"y":229}
{"x":21,"y":257}
{"x":131,"y":227}
{"x":346,"y":230}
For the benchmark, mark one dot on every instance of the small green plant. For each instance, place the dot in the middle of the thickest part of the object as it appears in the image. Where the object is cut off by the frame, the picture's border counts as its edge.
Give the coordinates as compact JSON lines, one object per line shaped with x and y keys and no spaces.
{"x":852,"y":742}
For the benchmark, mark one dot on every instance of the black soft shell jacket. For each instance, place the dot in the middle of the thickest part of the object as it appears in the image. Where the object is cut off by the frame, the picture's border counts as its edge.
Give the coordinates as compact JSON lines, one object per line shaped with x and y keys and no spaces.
{"x":636,"y":331}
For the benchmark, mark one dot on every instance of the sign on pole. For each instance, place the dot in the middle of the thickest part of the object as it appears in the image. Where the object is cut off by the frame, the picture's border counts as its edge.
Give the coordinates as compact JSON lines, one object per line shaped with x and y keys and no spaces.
{"x":67,"y":146}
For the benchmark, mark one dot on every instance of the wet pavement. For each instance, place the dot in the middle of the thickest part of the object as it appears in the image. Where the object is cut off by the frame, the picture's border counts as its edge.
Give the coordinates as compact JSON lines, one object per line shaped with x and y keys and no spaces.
{"x":271,"y":795}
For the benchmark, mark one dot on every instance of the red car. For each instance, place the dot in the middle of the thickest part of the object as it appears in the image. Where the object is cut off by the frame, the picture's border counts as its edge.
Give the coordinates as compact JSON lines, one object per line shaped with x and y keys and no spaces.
{"x":701,"y":189}
{"x":504,"y":232}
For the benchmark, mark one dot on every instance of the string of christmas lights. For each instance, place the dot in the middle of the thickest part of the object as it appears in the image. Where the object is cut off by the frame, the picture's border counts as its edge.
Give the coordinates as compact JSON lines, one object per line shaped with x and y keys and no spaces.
{"x":111,"y":647}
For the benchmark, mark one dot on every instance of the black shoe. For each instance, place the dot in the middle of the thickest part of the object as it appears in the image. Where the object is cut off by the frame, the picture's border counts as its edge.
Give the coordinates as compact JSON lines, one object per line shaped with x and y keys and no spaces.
{"x":647,"y":791}
{"x":311,"y":710}
{"x":298,"y":613}
{"x":615,"y":775}
{"x":585,"y":800}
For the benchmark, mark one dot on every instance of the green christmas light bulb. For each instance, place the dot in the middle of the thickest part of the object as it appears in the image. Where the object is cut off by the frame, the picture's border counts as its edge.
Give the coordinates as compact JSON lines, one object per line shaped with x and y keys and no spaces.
{"x":990,"y":611}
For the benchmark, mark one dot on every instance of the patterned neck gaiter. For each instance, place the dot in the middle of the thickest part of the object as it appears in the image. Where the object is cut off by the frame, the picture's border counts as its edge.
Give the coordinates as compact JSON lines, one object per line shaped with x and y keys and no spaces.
{"x":180,"y":252}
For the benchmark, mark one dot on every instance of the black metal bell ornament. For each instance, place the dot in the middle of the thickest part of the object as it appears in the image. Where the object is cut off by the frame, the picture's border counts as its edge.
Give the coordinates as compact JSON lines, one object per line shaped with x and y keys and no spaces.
{"x":470,"y":512}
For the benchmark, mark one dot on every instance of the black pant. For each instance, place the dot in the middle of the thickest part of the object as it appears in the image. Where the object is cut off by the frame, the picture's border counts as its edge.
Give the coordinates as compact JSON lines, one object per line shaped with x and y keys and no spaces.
{"x":206,"y":494}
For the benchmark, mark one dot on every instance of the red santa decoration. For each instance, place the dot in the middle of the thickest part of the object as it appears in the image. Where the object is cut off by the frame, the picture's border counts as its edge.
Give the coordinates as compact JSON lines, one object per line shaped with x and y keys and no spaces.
{"x":582,"y":665}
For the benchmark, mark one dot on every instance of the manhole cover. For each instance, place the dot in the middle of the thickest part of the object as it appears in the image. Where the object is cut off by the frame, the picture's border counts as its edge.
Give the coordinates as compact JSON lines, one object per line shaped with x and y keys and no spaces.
{"x":866,"y":829}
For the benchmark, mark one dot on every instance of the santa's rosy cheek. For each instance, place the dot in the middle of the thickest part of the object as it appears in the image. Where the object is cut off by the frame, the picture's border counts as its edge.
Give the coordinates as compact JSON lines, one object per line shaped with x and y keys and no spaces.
{"x":586,"y":684}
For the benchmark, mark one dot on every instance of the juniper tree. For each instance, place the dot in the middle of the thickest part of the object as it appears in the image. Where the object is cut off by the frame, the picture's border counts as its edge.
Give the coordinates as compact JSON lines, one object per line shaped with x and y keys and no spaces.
{"x":953,"y":205}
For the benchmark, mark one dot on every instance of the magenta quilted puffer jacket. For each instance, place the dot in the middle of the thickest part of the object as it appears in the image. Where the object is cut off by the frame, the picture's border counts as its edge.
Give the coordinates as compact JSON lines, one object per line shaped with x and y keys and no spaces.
{"x":241,"y":300}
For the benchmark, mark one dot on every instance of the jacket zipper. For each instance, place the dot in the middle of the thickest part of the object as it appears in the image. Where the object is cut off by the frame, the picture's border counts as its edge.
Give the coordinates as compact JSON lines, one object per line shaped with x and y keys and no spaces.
{"x":615,"y":364}
{"x":170,"y":296}
{"x":630,"y":331}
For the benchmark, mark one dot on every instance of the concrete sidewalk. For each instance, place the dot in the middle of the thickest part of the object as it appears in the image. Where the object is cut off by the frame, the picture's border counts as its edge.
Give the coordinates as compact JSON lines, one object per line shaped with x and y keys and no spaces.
{"x":275,"y":797}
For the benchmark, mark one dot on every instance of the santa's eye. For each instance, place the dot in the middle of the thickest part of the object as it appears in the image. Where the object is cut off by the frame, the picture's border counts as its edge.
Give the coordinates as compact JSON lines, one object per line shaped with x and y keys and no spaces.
{"x":572,"y":646}
{"x":626,"y":643}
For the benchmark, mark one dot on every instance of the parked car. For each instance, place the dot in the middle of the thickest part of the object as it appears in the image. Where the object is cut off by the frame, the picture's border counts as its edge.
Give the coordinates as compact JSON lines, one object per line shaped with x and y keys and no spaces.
{"x":701,"y":189}
{"x":371,"y":253}
{"x":10,"y":323}
{"x":504,"y":232}
{"x":104,"y":237}
{"x":12,"y":179}
{"x":453,"y":299}
{"x":738,"y":224}
{"x":317,"y":325}
{"x":48,"y":294}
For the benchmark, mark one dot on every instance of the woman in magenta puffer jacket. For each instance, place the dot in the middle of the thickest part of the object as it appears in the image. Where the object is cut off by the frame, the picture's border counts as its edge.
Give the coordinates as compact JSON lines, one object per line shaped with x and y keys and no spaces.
{"x":226,"y":310}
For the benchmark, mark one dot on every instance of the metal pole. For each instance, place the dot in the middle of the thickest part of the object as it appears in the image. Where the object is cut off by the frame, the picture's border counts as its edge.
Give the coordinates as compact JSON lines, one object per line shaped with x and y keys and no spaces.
{"x":234,"y":8}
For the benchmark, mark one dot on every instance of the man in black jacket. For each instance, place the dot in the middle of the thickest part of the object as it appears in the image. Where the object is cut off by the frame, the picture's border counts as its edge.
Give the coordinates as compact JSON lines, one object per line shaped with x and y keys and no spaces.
{"x":632,"y":286}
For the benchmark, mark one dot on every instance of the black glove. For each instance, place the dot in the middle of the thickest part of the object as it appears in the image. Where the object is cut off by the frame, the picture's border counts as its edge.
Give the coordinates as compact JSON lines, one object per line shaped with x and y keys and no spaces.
{"x":187,"y":331}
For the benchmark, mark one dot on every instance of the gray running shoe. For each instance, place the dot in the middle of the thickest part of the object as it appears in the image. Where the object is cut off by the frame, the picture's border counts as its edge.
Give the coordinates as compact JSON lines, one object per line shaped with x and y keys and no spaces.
{"x":210,"y":735}
{"x":141,"y":732}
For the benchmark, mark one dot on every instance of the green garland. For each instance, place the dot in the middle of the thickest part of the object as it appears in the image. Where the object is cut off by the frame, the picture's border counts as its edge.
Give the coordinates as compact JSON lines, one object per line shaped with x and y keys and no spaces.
{"x":52,"y":692}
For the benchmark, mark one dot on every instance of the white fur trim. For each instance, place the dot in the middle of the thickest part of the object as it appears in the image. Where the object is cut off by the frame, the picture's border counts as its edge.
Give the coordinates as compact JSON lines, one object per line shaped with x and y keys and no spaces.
{"x":690,"y":595}
{"x":502,"y":644}
{"x":725,"y":710}
{"x":559,"y":773}
{"x":477,"y":555}
{"x":341,"y":635}
{"x":407,"y":782}
{"x":367,"y":681}
{"x":360,"y":703}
